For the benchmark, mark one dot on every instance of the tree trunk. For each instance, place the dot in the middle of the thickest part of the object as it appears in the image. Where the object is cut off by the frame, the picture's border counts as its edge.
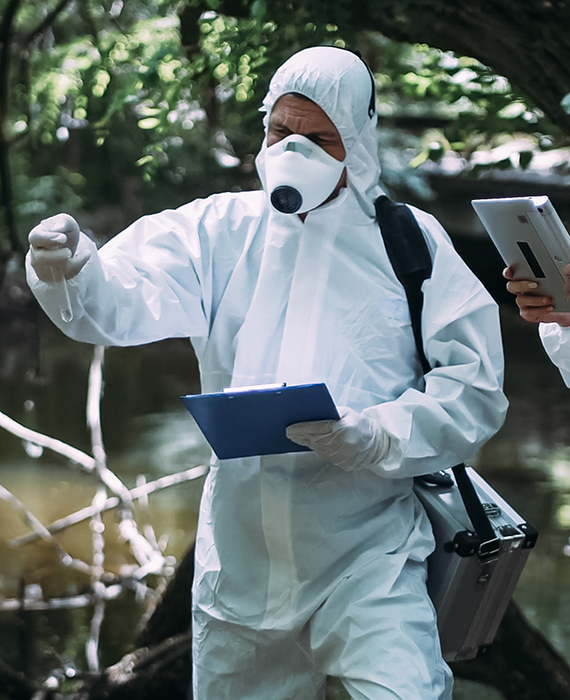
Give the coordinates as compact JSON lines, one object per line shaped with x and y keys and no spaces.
{"x":6,"y":194}
{"x":149,"y":673}
{"x":521,"y":663}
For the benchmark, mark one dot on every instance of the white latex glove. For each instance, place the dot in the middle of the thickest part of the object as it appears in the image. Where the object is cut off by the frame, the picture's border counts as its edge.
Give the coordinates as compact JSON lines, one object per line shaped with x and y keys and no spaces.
{"x":53,"y":243}
{"x":353,"y":442}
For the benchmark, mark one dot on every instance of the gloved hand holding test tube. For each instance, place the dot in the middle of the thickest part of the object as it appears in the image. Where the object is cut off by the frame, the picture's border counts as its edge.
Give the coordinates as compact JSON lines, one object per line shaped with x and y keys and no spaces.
{"x":53,"y":246}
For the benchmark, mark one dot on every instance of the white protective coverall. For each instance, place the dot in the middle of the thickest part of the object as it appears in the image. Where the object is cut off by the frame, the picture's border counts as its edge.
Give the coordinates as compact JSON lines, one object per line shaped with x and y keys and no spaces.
{"x":303,"y":569}
{"x":556,"y":342}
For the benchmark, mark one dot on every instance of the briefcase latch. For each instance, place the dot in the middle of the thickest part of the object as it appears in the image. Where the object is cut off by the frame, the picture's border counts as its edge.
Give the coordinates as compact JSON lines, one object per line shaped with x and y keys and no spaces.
{"x":467,"y":543}
{"x":490,"y":548}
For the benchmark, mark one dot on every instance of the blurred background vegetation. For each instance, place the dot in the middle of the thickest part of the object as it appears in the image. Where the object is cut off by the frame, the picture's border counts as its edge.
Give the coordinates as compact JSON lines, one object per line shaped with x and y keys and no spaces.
{"x":109,"y":110}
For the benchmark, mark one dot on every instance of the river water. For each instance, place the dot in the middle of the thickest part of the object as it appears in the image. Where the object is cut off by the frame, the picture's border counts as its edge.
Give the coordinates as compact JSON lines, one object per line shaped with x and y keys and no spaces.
{"x":149,"y":433}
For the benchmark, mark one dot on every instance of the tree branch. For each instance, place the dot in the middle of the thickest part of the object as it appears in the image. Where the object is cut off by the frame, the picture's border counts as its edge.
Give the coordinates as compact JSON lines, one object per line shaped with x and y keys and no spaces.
{"x":74,"y":602}
{"x":113,"y":502}
{"x":48,"y":20}
{"x":41,"y":531}
{"x":6,"y":190}
{"x":73,"y":454}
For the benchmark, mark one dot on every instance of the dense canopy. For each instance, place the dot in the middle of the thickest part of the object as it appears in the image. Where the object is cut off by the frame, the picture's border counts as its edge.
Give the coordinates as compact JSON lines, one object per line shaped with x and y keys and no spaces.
{"x":146,"y":104}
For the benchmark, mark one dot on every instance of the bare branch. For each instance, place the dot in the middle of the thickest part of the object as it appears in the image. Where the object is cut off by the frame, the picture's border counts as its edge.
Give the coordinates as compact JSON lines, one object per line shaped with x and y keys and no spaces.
{"x":74,"y":455}
{"x":98,"y":587}
{"x":149,"y":557}
{"x":147,"y":554}
{"x":41,"y":531}
{"x":146,"y":550}
{"x":94,"y":393}
{"x":112,"y":502}
{"x":66,"y":603}
{"x":148,"y":530}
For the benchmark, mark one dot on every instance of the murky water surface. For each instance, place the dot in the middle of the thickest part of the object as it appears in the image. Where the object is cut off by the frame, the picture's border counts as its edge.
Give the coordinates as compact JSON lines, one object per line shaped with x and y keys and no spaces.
{"x":149,"y":434}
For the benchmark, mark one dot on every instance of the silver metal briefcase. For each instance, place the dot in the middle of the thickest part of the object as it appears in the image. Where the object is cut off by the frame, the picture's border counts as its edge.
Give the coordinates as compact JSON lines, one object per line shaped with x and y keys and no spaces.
{"x":482,"y":545}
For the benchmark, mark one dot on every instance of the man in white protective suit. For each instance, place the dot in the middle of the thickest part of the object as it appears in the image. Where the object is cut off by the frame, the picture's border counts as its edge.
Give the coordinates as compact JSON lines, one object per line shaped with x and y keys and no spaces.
{"x":308,"y":564}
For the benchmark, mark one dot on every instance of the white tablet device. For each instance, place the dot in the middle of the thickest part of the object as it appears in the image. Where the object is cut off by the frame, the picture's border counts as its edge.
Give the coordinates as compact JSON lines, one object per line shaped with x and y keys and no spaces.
{"x":531,"y":239}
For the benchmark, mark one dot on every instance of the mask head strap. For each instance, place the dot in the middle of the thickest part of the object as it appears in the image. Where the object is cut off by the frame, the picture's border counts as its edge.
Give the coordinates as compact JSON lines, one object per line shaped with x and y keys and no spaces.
{"x":372,"y":103}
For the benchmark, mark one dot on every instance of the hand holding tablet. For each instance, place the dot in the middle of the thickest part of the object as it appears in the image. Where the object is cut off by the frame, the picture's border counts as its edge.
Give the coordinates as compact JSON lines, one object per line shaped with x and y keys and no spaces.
{"x":535,"y":245}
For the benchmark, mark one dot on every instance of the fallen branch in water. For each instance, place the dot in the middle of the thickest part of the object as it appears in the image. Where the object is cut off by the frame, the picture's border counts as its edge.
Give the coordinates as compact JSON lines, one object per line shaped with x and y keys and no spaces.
{"x":97,"y":586}
{"x":163,"y":670}
{"x":65,"y":603}
{"x":40,"y":531}
{"x":169,"y":658}
{"x":113,"y":502}
{"x":112,"y":492}
{"x":94,"y":393}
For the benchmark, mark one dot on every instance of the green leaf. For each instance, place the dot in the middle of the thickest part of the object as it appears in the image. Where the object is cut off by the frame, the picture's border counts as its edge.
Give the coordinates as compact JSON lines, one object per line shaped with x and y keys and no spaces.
{"x":565,"y":102}
{"x":512,"y":110}
{"x":420,"y":159}
{"x":259,"y":9}
{"x":149,"y":123}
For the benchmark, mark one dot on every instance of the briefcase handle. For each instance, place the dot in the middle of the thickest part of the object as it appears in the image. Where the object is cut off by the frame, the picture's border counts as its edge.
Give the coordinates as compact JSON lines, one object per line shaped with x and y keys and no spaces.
{"x":483,"y":541}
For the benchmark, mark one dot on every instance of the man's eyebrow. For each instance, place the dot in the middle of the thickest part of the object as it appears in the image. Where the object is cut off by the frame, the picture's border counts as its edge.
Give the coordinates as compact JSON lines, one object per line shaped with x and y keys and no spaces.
{"x":278,"y":124}
{"x":322,"y":133}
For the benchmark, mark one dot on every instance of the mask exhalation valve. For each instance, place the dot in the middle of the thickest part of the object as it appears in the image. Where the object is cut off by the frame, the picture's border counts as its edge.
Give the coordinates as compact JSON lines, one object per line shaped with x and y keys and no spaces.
{"x":298,"y":175}
{"x":286,"y":199}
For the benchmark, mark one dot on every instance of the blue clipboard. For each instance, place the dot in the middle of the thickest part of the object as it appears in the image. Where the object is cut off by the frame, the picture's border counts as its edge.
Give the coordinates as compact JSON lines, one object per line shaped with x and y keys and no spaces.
{"x":252,"y":422}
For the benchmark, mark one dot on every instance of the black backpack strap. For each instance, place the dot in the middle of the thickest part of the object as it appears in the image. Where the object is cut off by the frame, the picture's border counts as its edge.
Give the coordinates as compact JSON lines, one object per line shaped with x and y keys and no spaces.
{"x":488,"y":544}
{"x":410,"y":257}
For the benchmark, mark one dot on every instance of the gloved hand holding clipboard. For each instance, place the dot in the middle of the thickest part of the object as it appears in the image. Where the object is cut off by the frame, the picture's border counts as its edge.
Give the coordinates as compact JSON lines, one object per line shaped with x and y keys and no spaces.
{"x":251,"y":421}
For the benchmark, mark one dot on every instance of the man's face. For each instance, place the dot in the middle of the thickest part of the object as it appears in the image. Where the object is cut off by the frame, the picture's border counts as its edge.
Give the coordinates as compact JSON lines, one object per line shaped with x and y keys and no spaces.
{"x":295,"y":115}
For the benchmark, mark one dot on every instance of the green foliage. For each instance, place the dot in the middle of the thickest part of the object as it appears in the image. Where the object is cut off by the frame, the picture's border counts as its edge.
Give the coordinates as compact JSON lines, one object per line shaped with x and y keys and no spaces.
{"x":161,"y":97}
{"x":121,"y":93}
{"x":472,"y":111}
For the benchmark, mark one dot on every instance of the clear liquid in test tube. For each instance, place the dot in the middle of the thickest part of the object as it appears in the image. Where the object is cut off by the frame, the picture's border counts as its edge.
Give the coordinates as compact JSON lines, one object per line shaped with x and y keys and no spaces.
{"x":63,"y":299}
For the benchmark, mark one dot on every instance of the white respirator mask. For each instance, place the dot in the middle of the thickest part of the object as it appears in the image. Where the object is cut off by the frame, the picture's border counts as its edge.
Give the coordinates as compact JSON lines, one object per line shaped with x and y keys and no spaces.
{"x":299,"y":175}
